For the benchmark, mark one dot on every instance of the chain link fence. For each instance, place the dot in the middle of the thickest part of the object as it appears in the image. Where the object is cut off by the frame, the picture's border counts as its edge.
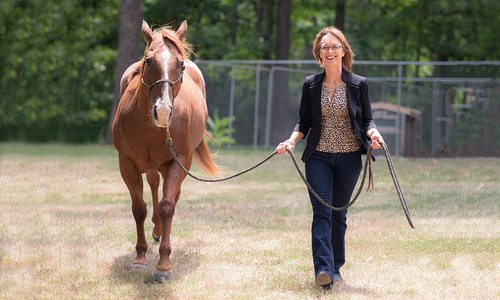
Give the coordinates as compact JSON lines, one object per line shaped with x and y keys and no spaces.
{"x":421,"y":108}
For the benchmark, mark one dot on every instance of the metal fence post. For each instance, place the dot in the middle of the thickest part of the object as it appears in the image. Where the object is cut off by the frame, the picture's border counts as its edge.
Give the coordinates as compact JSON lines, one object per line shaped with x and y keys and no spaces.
{"x":256,"y":109}
{"x":398,"y":120}
{"x":435,"y":125}
{"x":269,"y":106}
{"x":231,"y":104}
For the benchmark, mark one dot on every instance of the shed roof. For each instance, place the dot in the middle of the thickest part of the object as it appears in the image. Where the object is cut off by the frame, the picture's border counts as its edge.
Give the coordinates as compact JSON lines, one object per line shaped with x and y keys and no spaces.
{"x":394,"y":108}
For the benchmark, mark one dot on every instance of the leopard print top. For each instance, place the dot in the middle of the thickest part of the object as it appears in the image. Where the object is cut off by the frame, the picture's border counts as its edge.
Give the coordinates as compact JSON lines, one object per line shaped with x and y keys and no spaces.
{"x":337,"y":135}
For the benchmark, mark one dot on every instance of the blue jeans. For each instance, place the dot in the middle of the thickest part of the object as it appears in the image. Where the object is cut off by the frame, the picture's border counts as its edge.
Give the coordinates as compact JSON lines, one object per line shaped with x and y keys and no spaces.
{"x":333,"y":176}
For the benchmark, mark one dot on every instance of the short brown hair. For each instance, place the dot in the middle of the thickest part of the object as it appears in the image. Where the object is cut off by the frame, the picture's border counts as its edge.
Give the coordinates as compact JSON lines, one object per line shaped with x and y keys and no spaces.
{"x":347,"y":60}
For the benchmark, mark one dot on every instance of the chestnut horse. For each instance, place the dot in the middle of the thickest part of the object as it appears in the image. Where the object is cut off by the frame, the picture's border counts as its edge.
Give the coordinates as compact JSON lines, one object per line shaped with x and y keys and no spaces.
{"x":164,"y":89}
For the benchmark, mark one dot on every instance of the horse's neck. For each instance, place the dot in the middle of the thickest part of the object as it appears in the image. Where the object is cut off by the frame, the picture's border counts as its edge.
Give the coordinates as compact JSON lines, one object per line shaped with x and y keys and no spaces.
{"x":140,"y":100}
{"x":143,"y":102}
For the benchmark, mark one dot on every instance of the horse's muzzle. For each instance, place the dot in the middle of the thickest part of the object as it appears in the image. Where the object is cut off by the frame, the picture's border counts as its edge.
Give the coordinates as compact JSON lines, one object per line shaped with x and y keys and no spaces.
{"x":161,"y":115}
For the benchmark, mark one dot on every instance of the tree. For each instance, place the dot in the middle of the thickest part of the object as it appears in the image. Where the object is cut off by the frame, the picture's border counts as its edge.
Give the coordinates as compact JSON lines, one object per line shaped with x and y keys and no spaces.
{"x":340,"y":14}
{"x":264,"y":23}
{"x":280,"y":103}
{"x":59,"y":62}
{"x":284,"y":10}
{"x":55,"y":75}
{"x":129,"y":50}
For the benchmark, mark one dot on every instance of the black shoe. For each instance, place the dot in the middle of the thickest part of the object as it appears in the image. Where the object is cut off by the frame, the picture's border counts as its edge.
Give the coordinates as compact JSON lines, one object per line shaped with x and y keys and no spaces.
{"x":327,"y":287}
{"x":323,"y":279}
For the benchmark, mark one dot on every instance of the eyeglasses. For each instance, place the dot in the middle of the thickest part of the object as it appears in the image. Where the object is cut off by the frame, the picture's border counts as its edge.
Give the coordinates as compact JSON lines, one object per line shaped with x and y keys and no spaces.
{"x":333,"y":47}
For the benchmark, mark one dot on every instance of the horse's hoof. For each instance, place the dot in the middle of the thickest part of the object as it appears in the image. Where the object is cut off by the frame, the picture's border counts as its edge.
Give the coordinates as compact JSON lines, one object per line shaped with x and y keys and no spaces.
{"x":138,"y":266}
{"x":161,"y":277}
{"x":156,"y":238}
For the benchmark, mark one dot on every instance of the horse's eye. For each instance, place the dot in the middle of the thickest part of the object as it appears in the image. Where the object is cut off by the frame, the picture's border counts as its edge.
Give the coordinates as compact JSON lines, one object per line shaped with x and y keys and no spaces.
{"x":181,"y":63}
{"x":148,"y":61}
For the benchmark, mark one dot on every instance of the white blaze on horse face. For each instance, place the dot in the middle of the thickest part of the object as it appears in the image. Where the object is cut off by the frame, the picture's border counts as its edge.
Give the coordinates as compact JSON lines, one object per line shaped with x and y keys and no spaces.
{"x":163,"y":104}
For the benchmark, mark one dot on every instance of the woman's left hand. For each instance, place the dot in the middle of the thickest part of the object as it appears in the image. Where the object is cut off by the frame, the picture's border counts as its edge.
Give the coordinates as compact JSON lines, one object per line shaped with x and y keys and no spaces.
{"x":377,"y":139}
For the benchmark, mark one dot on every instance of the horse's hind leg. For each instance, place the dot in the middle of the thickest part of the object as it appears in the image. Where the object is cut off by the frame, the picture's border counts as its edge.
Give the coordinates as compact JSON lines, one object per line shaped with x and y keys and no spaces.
{"x":153,"y":178}
{"x":133,"y":180}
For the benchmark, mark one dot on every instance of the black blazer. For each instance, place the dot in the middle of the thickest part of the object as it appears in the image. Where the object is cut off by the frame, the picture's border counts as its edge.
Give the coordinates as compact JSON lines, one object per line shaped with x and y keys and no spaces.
{"x":358,"y":103}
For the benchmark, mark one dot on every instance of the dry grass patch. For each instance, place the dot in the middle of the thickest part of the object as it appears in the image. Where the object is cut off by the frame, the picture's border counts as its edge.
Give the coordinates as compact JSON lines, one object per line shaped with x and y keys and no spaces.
{"x":67,"y":231}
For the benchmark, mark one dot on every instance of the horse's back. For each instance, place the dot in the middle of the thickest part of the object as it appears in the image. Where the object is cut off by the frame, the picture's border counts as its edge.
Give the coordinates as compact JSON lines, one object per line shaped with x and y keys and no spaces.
{"x":195,"y":73}
{"x":129,"y":74}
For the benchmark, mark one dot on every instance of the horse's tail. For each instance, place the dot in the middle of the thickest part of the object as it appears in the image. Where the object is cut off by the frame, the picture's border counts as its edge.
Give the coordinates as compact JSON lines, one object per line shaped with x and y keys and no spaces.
{"x":205,"y":159}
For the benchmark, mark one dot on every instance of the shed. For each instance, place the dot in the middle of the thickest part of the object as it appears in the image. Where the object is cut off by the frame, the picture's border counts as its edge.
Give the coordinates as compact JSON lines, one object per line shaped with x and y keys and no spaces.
{"x":386,"y":115}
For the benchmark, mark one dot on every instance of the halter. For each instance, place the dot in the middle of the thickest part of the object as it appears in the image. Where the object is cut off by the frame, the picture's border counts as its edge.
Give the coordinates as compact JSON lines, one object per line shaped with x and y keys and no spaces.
{"x":170,"y":83}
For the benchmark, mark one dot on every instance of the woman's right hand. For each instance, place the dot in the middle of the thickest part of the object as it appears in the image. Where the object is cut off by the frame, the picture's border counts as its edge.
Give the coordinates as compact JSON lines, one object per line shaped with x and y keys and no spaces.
{"x":285,"y":145}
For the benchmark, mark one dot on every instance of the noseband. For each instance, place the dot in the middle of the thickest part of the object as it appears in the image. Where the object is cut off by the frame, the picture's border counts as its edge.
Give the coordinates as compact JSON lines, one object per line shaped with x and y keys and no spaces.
{"x":170,"y":82}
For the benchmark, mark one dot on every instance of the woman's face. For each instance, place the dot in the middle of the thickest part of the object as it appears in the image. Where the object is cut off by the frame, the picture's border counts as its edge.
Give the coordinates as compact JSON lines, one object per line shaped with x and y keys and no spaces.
{"x":331,"y":51}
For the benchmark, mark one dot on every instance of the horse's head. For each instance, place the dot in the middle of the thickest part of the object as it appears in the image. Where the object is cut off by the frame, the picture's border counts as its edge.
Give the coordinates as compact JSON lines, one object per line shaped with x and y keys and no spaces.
{"x":163,"y":69}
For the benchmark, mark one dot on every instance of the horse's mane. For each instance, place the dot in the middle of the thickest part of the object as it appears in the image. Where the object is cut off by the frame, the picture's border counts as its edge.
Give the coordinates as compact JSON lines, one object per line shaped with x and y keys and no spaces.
{"x":183,"y":46}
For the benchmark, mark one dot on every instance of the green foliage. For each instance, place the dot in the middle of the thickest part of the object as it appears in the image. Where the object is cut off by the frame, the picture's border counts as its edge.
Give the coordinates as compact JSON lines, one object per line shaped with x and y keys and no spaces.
{"x":57,"y":58}
{"x":57,"y":63}
{"x":424,"y":30}
{"x":378,"y":30}
{"x":220,"y":130}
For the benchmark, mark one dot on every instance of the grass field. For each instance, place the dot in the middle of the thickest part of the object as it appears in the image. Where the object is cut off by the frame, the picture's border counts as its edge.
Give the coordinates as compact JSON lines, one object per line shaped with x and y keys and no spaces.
{"x":67,"y":231}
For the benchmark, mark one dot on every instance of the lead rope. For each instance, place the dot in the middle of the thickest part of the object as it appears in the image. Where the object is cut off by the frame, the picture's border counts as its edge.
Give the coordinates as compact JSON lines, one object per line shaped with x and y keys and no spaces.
{"x":367,"y":169}
{"x":396,"y":184}
{"x":171,"y":148}
{"x":360,"y":188}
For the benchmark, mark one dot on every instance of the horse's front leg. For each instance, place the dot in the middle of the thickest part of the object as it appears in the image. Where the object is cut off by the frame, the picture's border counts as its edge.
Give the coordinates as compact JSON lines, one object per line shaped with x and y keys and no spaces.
{"x":173,"y":178}
{"x":133,"y":180}
{"x":154,"y":181}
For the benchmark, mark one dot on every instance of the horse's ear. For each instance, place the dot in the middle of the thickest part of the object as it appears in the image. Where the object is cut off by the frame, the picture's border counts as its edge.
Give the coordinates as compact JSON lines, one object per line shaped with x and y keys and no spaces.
{"x":181,"y":32}
{"x":146,"y":30}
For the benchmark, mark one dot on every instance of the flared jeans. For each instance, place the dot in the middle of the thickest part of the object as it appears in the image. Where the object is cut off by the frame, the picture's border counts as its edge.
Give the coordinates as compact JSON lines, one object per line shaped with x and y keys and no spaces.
{"x":333,"y":176}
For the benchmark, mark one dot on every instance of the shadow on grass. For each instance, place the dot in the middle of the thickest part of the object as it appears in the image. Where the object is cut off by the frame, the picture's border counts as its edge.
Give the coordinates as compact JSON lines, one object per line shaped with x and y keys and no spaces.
{"x":184,"y":259}
{"x":350,"y":289}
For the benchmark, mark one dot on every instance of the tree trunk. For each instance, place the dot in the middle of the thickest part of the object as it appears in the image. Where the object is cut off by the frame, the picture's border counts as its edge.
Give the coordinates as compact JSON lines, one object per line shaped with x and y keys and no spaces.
{"x":340,"y":14}
{"x":129,"y":49}
{"x":234,"y":23}
{"x":175,"y":20}
{"x":284,"y":10}
{"x":264,"y":24}
{"x":281,"y":127}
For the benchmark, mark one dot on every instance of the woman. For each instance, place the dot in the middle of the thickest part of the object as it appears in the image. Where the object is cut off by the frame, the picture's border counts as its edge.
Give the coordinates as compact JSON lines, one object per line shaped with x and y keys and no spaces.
{"x":335,"y":111}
